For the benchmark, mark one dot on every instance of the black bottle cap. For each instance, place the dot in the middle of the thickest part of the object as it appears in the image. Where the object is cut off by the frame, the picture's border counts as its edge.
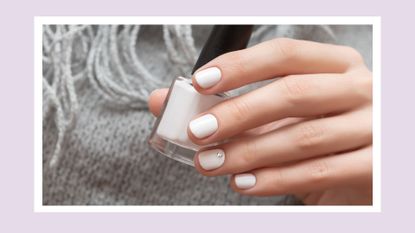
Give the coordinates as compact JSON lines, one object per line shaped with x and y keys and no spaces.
{"x":223,"y":39}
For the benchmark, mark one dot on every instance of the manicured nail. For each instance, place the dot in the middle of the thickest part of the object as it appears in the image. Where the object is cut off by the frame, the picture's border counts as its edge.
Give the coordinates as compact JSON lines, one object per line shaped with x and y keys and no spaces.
{"x":245,"y":181}
{"x":208,"y":77}
{"x":211,"y":159}
{"x":203,"y":126}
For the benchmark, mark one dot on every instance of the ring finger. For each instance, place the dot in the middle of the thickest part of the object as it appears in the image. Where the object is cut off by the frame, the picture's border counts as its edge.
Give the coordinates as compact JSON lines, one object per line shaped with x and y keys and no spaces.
{"x":290,"y":143}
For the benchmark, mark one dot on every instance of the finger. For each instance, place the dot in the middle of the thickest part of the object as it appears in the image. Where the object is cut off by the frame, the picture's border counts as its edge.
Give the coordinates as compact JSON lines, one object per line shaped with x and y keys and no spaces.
{"x":292,"y":143}
{"x":356,"y":195}
{"x":295,"y":96}
{"x":270,"y":127}
{"x":278,"y":57}
{"x":156,"y":101}
{"x":348,"y":169}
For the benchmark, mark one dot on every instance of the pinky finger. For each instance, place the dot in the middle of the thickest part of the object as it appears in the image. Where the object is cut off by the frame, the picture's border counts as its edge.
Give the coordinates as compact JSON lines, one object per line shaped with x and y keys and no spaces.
{"x":318,"y":174}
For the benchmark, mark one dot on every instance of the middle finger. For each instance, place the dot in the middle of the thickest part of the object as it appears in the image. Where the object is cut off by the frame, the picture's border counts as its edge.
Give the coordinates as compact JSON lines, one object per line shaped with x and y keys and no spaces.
{"x":294,"y":96}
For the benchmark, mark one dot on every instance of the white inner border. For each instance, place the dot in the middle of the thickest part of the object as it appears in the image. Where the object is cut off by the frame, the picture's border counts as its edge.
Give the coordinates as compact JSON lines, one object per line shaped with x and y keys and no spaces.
{"x":352,"y":20}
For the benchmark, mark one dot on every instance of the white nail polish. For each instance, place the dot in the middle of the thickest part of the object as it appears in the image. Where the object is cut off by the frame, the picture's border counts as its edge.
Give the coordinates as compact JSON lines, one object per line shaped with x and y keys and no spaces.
{"x":183,"y":103}
{"x":211,"y":159}
{"x":208,"y":77}
{"x":204,"y":126}
{"x":245,"y":180}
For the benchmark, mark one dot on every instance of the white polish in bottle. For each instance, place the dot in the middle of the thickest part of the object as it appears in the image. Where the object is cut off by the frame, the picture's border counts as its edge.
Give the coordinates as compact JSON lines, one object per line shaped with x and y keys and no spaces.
{"x":183,"y":103}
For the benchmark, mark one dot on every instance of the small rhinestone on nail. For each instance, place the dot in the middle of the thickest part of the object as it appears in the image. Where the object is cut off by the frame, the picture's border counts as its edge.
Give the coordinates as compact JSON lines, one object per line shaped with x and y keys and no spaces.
{"x":219,"y":154}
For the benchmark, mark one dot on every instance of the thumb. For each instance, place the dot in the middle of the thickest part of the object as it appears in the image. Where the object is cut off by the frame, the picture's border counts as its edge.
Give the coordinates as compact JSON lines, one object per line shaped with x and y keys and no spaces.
{"x":156,"y":100}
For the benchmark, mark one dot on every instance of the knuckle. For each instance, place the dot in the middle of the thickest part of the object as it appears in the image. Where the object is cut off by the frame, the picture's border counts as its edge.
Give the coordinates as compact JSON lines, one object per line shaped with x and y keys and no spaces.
{"x":249,"y":153}
{"x":353,"y":55}
{"x":310,"y":135}
{"x":238,"y":108}
{"x":234,"y":61}
{"x":318,"y":171}
{"x":285,"y":46}
{"x":362,"y":84}
{"x":279,"y":185}
{"x":296,"y":89}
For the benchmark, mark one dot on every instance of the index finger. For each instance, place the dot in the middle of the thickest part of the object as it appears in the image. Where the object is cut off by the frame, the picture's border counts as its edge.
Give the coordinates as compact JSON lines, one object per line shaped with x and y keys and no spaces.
{"x":278,"y":57}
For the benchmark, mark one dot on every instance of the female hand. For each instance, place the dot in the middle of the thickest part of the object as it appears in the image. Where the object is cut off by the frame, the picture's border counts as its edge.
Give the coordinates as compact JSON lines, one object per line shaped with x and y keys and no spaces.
{"x":308,"y":133}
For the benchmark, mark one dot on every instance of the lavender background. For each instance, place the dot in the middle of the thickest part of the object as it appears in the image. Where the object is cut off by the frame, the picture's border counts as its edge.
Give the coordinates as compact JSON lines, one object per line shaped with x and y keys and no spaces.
{"x":16,"y":122}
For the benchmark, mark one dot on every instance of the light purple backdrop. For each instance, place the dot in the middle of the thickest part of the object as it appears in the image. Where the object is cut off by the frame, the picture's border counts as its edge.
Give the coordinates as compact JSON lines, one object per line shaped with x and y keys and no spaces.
{"x":16,"y":157}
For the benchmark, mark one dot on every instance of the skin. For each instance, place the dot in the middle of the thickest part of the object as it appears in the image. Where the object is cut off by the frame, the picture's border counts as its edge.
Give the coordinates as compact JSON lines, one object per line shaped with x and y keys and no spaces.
{"x":308,"y":133}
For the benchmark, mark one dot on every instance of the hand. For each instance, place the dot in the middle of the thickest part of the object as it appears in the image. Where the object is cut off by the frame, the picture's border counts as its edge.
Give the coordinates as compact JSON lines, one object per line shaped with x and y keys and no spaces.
{"x":308,"y":133}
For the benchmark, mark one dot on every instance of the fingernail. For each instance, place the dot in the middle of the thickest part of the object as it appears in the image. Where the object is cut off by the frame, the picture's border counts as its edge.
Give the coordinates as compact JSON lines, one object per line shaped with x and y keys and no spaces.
{"x":245,"y":181}
{"x":203,"y":126}
{"x":154,"y":93}
{"x":208,"y":77}
{"x":211,"y":159}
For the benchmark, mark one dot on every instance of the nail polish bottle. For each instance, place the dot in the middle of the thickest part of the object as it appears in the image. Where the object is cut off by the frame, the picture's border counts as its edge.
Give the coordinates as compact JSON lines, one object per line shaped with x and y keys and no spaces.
{"x":183,"y":102}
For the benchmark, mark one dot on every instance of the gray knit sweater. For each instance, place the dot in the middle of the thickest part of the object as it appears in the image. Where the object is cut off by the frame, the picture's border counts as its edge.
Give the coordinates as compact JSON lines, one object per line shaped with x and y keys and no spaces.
{"x":96,"y":122}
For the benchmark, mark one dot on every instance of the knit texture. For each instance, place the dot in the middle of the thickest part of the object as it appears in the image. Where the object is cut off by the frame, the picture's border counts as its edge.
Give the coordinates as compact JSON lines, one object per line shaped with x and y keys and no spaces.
{"x":96,"y":81}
